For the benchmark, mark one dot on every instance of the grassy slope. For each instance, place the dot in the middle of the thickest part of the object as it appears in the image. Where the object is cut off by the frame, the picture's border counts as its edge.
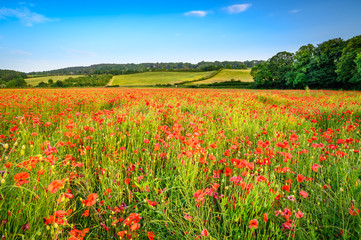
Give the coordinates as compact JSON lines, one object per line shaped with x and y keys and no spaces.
{"x":152,"y":78}
{"x":36,"y":80}
{"x":227,"y":75}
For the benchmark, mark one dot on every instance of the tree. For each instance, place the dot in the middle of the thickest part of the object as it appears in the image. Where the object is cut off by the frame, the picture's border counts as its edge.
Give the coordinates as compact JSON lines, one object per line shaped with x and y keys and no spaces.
{"x":59,"y":84}
{"x":323,"y":65}
{"x":50,"y":81}
{"x":262,"y":75}
{"x":303,"y":58}
{"x":346,"y":70}
{"x":16,"y":83}
{"x":279,"y":65}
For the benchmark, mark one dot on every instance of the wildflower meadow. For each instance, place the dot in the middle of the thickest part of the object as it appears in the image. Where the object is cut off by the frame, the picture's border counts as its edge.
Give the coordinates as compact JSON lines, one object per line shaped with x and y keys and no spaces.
{"x":107,"y":163}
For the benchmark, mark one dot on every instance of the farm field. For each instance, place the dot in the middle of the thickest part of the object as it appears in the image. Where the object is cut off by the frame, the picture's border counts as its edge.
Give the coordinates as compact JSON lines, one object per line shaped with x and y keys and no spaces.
{"x":153,"y":78}
{"x":227,"y":75}
{"x":36,"y":80}
{"x":179,"y":164}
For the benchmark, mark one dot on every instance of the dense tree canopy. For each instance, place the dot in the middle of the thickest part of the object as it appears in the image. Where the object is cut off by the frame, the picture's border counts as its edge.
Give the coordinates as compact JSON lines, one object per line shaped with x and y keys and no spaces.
{"x":12,"y":79}
{"x":332,"y":64}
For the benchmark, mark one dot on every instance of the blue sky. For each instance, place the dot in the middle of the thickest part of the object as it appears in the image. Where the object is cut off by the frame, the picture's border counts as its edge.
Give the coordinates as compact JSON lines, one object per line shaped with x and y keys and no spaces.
{"x":49,"y":34}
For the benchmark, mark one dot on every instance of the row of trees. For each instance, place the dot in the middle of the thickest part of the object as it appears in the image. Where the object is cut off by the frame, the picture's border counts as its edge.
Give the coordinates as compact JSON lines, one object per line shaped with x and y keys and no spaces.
{"x":333,"y":64}
{"x":84,"y":81}
{"x":118,"y":69}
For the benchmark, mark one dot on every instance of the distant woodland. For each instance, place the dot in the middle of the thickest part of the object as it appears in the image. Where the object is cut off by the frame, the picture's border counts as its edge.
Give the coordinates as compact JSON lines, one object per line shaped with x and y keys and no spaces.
{"x":333,"y":64}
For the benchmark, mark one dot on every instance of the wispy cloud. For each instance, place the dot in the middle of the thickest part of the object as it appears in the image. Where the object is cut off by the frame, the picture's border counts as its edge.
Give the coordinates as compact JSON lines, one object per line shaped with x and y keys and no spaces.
{"x":21,"y":52}
{"x":295,"y":11}
{"x":27,"y":17}
{"x":234,"y":9}
{"x":196,"y":13}
{"x":78,"y":52}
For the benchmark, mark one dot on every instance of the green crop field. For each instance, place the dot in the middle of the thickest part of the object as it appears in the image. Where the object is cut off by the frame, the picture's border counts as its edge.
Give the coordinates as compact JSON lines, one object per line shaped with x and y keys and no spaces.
{"x":36,"y":80}
{"x":153,"y":78}
{"x":227,"y":75}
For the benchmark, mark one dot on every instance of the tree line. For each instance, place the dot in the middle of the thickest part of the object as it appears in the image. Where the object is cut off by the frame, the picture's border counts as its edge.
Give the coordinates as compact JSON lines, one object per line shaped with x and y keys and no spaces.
{"x":12,"y":79}
{"x":333,"y":64}
{"x":119,"y":69}
{"x":83,"y":81}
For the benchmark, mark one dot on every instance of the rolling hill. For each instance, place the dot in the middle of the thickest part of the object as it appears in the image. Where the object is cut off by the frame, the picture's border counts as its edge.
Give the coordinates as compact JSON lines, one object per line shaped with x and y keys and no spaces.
{"x":227,"y":75}
{"x":154,"y":78}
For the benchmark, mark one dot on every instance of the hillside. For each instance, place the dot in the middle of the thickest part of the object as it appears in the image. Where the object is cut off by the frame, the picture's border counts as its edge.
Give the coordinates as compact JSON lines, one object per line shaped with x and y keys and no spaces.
{"x":227,"y":75}
{"x":154,"y":78}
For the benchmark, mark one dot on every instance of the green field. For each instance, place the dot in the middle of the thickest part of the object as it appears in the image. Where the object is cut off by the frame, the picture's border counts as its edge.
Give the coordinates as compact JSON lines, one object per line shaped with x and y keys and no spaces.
{"x":36,"y":80}
{"x":227,"y":75}
{"x":153,"y":78}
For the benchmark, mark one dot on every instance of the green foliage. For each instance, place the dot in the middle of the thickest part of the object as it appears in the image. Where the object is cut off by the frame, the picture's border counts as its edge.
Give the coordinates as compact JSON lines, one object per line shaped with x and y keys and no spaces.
{"x":358,"y":63}
{"x":8,"y":75}
{"x":84,"y":81}
{"x":323,"y":65}
{"x":42,"y":85}
{"x":346,"y":68}
{"x":333,"y":64}
{"x":16,"y":83}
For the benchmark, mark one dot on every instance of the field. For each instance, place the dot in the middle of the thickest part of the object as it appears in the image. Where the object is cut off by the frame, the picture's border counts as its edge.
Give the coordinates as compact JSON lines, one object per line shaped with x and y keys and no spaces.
{"x":228,"y":75}
{"x":153,"y":78}
{"x":36,"y":80}
{"x":179,"y":164}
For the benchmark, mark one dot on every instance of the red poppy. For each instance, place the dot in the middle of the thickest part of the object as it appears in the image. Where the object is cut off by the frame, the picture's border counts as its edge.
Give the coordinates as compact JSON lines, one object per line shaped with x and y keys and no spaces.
{"x":151,"y":235}
{"x":299,"y":214}
{"x":304,"y":194}
{"x":265,"y":217}
{"x":91,"y":200}
{"x":204,"y":233}
{"x":253,"y":223}
{"x":86,"y":213}
{"x":55,"y":185}
{"x":21,"y":178}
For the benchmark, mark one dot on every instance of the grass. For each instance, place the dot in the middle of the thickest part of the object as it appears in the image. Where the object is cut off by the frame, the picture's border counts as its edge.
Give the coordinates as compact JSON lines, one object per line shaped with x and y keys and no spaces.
{"x":227,"y":75}
{"x":36,"y":80}
{"x":179,"y":164}
{"x":153,"y":78}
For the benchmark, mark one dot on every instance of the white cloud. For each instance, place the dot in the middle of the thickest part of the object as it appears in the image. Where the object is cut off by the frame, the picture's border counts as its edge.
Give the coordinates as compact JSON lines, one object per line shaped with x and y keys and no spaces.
{"x":295,"y":11}
{"x":27,"y":17}
{"x":196,"y":13}
{"x":237,"y":8}
{"x":20,"y":52}
{"x":78,"y":52}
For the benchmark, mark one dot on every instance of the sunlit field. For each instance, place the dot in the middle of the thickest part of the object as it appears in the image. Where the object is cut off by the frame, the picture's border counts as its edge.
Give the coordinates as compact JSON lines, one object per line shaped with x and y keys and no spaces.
{"x":153,"y":78}
{"x":225,"y":75}
{"x":179,"y":164}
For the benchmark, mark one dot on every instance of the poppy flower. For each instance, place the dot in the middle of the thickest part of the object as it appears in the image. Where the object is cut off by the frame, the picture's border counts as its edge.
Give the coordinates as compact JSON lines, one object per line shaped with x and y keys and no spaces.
{"x":86,"y":213}
{"x":299,"y":214}
{"x":151,"y":235}
{"x":304,"y":194}
{"x":253,"y":223}
{"x":91,"y":200}
{"x":265,"y":217}
{"x":300,"y":178}
{"x":55,"y":185}
{"x":21,"y":178}
{"x":204,"y":233}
